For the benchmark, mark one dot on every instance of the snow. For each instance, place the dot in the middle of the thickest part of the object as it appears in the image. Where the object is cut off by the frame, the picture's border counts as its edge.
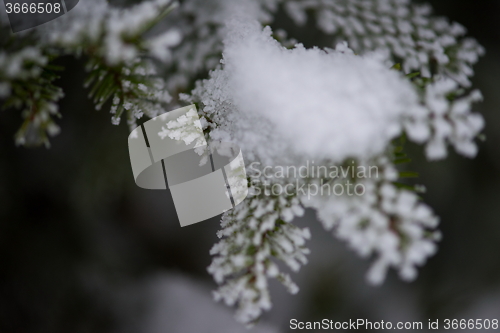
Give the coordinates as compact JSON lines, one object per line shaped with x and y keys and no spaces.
{"x":324,"y":104}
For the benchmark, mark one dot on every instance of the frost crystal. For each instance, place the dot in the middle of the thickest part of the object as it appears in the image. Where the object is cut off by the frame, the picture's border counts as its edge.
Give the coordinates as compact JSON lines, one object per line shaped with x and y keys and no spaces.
{"x":389,"y":70}
{"x":253,"y":232}
{"x":118,"y":51}
{"x":285,"y":106}
{"x":186,"y":128}
{"x":408,"y":31}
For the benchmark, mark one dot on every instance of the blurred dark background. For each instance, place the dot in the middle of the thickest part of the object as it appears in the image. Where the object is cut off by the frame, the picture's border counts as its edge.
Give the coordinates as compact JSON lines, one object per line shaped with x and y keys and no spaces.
{"x":83,"y":249}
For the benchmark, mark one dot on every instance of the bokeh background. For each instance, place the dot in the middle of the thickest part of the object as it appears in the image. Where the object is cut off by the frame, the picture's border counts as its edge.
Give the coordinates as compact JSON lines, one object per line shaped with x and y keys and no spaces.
{"x":82,"y":249}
